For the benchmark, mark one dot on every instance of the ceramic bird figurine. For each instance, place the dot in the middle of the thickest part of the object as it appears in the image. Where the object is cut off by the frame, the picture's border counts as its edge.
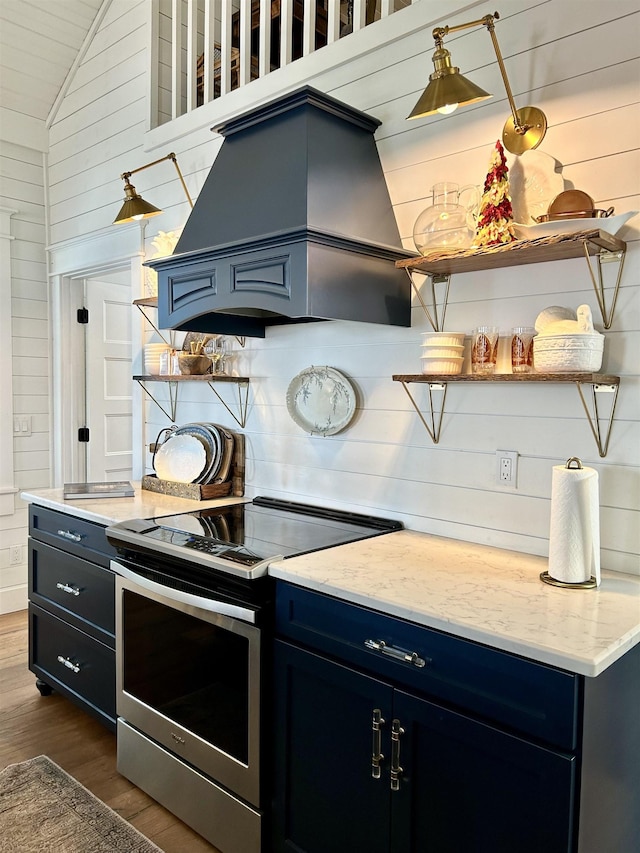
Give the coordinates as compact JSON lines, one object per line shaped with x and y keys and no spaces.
{"x":562,"y":321}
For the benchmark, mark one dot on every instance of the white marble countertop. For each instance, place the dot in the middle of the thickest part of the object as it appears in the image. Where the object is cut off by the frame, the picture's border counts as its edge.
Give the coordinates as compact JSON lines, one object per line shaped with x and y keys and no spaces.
{"x":481,"y":593}
{"x":144,"y":504}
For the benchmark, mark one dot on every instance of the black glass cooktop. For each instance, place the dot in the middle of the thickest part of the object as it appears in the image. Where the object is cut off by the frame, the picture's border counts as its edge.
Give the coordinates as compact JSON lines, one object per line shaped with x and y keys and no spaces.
{"x":249,"y":535}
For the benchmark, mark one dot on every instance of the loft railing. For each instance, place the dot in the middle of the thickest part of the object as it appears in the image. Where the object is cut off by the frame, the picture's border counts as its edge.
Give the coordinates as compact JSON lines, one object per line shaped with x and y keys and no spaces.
{"x":204,"y":49}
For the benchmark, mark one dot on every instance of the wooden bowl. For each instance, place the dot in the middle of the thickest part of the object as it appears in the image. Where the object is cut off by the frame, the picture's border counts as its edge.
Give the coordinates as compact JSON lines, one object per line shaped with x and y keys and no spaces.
{"x":194,"y":365}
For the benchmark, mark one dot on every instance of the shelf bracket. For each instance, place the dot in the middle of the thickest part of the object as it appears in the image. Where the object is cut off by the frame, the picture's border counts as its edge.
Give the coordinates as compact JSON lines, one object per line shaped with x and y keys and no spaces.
{"x":593,"y":413}
{"x":435,"y":421}
{"x":173,"y":399}
{"x":437,"y":323}
{"x":241,"y":402}
{"x":171,"y":341}
{"x":603,"y":257}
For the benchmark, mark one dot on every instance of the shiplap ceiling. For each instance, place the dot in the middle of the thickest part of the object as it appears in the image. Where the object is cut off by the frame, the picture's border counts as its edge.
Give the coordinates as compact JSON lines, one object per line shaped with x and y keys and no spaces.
{"x":39,"y":42}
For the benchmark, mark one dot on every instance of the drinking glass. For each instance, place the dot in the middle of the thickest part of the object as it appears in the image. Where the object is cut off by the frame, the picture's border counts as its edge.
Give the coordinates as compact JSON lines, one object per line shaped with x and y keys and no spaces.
{"x":522,"y":349}
{"x":484,"y":349}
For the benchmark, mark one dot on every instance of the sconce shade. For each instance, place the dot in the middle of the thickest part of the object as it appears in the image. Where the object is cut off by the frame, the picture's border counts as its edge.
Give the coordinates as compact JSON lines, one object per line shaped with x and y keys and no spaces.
{"x":134,"y":207}
{"x":449,"y":90}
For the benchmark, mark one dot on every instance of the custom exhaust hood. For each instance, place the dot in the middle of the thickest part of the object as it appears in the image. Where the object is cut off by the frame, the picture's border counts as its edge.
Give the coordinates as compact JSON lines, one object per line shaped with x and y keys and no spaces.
{"x":293,"y":224}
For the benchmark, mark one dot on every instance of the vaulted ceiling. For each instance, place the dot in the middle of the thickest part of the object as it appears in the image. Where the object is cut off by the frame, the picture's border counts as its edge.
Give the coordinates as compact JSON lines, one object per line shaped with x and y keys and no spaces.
{"x":39,"y":43}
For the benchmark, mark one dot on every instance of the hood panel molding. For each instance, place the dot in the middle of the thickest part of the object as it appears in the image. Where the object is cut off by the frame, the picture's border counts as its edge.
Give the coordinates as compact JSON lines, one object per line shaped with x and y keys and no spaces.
{"x":293,"y":224}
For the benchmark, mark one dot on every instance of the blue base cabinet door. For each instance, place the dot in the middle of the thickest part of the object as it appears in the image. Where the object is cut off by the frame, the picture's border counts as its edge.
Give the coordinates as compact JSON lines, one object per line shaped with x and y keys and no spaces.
{"x":327,"y":800}
{"x":364,"y":767}
{"x":467,"y":787}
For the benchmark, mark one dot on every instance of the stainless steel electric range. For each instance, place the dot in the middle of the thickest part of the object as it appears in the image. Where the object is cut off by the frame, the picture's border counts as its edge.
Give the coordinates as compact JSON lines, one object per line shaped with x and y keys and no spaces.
{"x":193,"y":613}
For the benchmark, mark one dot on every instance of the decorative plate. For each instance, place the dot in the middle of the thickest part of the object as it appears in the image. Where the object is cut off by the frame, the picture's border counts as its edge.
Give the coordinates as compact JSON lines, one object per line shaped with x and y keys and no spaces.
{"x":321,"y":400}
{"x":533,"y":182}
{"x":180,"y":459}
{"x":225,"y":443}
{"x":610,"y":224}
{"x":210,"y":440}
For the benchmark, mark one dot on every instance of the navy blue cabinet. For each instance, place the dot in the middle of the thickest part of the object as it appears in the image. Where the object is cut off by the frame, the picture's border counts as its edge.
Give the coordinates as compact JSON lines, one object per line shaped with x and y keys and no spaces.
{"x":446,"y":783}
{"x":72,"y":611}
{"x":394,"y":738}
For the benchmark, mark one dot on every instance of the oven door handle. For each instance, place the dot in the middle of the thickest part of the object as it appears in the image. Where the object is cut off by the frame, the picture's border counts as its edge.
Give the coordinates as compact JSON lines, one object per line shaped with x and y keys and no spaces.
{"x":211,"y":605}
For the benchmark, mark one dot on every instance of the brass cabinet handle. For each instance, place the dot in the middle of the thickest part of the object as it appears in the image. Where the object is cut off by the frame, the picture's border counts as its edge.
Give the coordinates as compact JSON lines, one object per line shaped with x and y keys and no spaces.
{"x":69,"y":664}
{"x":396,"y":653}
{"x":376,"y":756}
{"x":65,"y":587}
{"x":396,"y":770}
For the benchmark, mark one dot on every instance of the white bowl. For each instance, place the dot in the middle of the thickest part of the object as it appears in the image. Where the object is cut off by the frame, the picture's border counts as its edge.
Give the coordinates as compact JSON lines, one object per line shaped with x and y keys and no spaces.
{"x":443,"y":338}
{"x":449,"y":366}
{"x":571,"y":353}
{"x":442,"y":351}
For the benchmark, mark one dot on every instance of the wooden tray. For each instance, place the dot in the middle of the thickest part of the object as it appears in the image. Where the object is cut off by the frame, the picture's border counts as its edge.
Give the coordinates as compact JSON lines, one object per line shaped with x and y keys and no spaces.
{"x":234,"y":485}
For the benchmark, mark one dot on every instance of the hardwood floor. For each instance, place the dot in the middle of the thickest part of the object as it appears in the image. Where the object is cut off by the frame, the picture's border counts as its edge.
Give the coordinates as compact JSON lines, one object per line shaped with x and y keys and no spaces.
{"x":31,"y":725}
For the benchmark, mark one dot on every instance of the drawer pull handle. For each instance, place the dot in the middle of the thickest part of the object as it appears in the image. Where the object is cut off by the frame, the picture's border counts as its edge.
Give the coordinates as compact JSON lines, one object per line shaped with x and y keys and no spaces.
{"x":69,"y":664}
{"x":396,"y":770}
{"x":376,"y":756}
{"x":396,"y":653}
{"x":65,"y":587}
{"x":67,"y":534}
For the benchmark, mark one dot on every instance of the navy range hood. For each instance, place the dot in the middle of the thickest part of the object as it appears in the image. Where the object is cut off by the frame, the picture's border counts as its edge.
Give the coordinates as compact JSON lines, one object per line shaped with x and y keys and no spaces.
{"x":293,"y":224}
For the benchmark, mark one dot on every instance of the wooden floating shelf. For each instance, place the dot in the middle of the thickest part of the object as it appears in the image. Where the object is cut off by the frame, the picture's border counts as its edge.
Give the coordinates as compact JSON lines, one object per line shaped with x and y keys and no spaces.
{"x":192,"y":377}
{"x":599,"y":383}
{"x":559,"y":247}
{"x":212,"y":379}
{"x":588,"y":378}
{"x":439,"y":266}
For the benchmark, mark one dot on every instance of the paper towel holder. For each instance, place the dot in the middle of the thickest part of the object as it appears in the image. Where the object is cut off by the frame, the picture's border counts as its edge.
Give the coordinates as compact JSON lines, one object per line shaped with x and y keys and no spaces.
{"x":590,"y":584}
{"x":545,"y":577}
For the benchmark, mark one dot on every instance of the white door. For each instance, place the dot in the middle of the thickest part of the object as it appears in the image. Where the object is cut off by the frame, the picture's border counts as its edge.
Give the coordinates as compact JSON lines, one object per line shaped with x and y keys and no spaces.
{"x":108,"y":377}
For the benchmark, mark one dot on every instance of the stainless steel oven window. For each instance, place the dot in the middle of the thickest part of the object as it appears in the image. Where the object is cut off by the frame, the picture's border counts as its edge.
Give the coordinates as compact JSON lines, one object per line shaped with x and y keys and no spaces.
{"x":190,"y":679}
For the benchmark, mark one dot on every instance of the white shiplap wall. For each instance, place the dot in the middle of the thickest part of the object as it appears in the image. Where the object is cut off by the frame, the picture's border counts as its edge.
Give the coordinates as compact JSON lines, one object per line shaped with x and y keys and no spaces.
{"x":577,"y":60}
{"x":22,"y":188}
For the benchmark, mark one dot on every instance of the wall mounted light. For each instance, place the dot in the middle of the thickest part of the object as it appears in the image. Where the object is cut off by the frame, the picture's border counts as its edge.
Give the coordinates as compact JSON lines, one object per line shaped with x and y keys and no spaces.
{"x":135,"y":207}
{"x":448,"y":89}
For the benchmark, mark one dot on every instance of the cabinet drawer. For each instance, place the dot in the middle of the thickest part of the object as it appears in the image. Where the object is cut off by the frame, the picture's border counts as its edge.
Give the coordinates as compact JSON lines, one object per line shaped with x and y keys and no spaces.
{"x":78,"y":590}
{"x":526,"y":696}
{"x":73,"y":663}
{"x":74,"y":535}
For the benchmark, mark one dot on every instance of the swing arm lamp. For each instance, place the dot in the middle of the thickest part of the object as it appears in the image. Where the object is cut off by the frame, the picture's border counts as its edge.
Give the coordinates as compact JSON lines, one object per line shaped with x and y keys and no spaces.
{"x":448,"y":89}
{"x":135,"y":207}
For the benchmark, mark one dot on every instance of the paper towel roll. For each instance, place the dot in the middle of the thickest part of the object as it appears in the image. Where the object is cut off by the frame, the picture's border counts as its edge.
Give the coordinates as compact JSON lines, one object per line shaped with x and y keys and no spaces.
{"x":574,"y":536}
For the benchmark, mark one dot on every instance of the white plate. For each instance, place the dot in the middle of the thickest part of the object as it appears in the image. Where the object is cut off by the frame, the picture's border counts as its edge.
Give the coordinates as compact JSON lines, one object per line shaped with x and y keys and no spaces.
{"x":321,"y":400}
{"x":610,"y":224}
{"x":180,"y":459}
{"x":533,"y":184}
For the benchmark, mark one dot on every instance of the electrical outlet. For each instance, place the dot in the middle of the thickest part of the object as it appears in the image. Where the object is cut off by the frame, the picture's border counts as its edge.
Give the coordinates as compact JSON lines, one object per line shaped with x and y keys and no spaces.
{"x":15,"y":555}
{"x":507,"y":468}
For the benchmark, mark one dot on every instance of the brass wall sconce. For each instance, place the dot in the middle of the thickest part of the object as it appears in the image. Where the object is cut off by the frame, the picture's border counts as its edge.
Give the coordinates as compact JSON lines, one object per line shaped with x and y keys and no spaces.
{"x":448,"y":89}
{"x":135,"y":207}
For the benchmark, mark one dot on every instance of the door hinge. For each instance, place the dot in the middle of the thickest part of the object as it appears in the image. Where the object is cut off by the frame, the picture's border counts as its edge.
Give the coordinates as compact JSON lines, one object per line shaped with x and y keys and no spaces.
{"x":83,"y":434}
{"x":83,"y":315}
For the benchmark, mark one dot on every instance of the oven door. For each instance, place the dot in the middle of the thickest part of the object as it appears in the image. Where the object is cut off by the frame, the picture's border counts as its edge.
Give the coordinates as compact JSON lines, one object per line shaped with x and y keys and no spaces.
{"x":188,"y":677}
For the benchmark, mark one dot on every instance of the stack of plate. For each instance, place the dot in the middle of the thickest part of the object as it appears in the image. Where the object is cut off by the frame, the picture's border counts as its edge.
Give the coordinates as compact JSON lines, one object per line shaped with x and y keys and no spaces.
{"x":195,"y":453}
{"x":442,"y":352}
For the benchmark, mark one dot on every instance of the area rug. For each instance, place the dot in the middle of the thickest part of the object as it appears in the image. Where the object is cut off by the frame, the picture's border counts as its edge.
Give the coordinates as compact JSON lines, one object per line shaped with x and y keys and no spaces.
{"x":44,"y":809}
